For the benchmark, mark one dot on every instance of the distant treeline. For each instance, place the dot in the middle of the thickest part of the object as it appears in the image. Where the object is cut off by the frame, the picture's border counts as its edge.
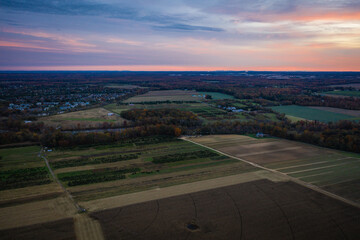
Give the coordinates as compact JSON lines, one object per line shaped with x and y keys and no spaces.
{"x":343,"y":135}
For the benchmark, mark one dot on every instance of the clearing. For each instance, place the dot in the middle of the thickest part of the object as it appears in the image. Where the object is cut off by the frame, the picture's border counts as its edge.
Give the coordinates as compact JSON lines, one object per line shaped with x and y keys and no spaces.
{"x":175,"y":95}
{"x":92,"y":118}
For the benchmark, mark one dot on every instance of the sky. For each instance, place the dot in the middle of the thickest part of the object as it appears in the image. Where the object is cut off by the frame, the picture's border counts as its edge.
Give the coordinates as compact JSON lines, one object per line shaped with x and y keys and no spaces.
{"x":171,"y":35}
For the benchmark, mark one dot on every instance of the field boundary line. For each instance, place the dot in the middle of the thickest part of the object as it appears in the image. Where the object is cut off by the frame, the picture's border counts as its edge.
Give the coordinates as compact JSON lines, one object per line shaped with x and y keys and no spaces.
{"x":269,"y":151}
{"x":305,"y":184}
{"x":314,"y":175}
{"x":309,"y":164}
{"x":314,"y":169}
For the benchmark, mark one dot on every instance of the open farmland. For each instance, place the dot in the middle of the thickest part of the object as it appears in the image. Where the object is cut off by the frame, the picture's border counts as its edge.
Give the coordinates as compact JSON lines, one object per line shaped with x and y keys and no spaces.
{"x":30,"y":200}
{"x":335,"y":171}
{"x":254,"y":210}
{"x":123,"y":86}
{"x":91,"y":118}
{"x":344,"y":93}
{"x":108,"y":170}
{"x":167,"y":95}
{"x":312,"y":114}
{"x":217,"y":96}
{"x":353,"y":85}
{"x":175,"y":95}
{"x":354,"y":113}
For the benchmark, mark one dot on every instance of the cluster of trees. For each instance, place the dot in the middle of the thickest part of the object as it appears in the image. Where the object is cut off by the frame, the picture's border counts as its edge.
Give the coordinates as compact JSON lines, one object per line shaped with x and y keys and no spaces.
{"x":326,"y":101}
{"x":56,"y":138}
{"x":160,"y":102}
{"x":87,"y":160}
{"x":95,"y":176}
{"x":162,"y":116}
{"x":184,"y":156}
{"x":24,"y":177}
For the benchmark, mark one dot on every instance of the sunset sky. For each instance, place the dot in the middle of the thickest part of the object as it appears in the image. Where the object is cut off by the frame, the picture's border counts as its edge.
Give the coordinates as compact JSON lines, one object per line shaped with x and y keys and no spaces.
{"x":180,"y":35}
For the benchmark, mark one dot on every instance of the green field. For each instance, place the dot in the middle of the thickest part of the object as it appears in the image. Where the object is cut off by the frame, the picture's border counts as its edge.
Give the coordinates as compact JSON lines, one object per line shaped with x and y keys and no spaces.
{"x":344,"y":93}
{"x":20,"y":157}
{"x":217,"y":96}
{"x":22,"y":167}
{"x":311,"y":114}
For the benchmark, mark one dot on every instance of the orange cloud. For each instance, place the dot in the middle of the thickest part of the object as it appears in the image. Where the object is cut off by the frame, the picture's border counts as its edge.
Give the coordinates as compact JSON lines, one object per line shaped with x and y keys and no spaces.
{"x":74,"y":43}
{"x":23,"y":45}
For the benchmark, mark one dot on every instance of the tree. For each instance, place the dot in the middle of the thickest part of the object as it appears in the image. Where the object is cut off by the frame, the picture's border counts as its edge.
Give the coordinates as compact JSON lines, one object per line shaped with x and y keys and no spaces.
{"x":177,"y":132}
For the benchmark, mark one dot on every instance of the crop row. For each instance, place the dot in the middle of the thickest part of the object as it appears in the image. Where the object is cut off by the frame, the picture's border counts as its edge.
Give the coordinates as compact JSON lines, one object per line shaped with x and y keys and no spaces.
{"x":95,"y":176}
{"x":23,"y":177}
{"x":86,"y":160}
{"x":183,"y":156}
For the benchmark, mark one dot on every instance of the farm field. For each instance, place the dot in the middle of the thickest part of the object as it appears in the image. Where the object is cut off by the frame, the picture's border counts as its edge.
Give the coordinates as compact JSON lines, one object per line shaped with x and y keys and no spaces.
{"x":251,"y":210}
{"x":123,"y":86}
{"x":354,"y":85}
{"x":175,"y":95}
{"x":166,"y":95}
{"x":344,"y":93}
{"x":91,"y":118}
{"x":311,"y":113}
{"x":29,"y":199}
{"x":20,"y":157}
{"x":104,"y":171}
{"x":335,"y":171}
{"x":354,"y":113}
{"x":207,"y":111}
{"x":217,"y":96}
{"x":55,"y":230}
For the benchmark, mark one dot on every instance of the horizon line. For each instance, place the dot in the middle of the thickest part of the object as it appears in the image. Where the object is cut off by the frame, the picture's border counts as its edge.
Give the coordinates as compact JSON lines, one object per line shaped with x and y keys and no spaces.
{"x":166,"y":68}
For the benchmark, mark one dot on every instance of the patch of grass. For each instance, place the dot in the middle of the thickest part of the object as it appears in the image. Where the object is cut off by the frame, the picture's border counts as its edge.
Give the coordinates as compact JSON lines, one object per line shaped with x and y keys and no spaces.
{"x":20,"y":157}
{"x":311,"y":114}
{"x":217,"y":96}
{"x":344,"y":93}
{"x":88,"y":119}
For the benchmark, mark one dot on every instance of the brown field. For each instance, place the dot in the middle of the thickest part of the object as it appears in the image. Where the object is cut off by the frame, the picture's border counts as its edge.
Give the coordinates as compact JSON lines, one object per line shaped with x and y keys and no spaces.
{"x":187,"y":188}
{"x":254,"y":210}
{"x":331,"y":170}
{"x":171,"y":95}
{"x":57,"y":230}
{"x":91,"y":118}
{"x":29,"y":194}
{"x":261,"y":151}
{"x":355,"y":113}
{"x":36,"y":212}
{"x":107,"y":189}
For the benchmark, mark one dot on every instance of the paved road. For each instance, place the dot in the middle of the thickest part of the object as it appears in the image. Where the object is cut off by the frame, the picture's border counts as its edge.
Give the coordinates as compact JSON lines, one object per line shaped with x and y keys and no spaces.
{"x":305,"y":184}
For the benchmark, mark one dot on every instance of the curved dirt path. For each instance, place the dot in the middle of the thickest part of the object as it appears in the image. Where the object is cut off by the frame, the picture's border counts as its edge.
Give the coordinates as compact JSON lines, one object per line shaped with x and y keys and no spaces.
{"x":86,"y":228}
